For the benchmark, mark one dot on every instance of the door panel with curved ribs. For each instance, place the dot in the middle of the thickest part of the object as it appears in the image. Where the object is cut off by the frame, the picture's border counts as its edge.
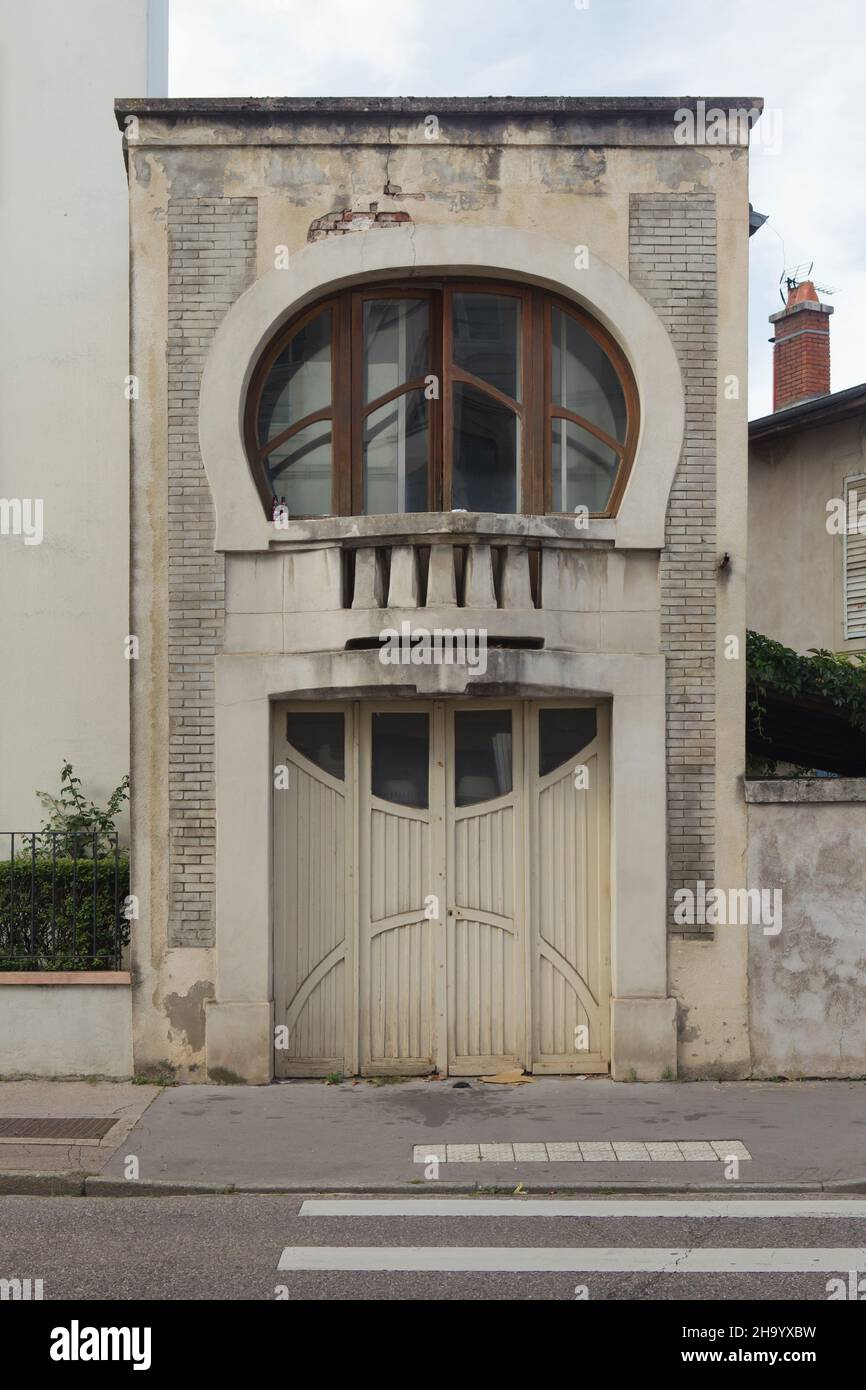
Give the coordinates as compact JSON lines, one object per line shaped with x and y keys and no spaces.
{"x":401,"y":876}
{"x":567,"y":771}
{"x":313,"y":890}
{"x":485,"y":888}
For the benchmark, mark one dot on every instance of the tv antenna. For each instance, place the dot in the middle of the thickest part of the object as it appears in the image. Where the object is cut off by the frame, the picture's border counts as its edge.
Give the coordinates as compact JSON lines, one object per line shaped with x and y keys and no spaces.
{"x":794,"y":275}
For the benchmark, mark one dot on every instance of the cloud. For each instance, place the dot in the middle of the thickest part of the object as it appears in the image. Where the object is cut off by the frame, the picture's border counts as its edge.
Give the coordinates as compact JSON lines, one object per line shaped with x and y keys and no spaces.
{"x":805,"y":61}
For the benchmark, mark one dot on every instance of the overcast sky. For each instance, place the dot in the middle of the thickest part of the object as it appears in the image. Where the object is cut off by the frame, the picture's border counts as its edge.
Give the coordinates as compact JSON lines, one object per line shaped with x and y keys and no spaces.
{"x":806,"y":60}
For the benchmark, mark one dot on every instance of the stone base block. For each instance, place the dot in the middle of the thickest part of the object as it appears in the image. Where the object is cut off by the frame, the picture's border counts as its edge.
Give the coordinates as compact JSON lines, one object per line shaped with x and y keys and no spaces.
{"x":239,"y":1041}
{"x":643,"y":1039}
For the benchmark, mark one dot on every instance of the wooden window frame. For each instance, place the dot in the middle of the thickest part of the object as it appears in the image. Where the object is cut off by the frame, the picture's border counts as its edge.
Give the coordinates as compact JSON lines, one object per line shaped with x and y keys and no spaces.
{"x":534,"y":406}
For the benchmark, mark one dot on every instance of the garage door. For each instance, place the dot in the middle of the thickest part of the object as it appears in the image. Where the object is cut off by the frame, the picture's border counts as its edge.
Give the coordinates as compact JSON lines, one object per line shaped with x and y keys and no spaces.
{"x":441,"y":889}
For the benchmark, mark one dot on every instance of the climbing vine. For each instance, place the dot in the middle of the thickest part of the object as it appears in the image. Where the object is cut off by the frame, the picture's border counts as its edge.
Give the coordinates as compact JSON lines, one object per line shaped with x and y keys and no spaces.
{"x":839,"y":679}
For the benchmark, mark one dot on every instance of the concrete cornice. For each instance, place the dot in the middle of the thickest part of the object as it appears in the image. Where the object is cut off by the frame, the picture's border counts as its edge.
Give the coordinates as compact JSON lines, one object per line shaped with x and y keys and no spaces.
{"x":364,"y":107}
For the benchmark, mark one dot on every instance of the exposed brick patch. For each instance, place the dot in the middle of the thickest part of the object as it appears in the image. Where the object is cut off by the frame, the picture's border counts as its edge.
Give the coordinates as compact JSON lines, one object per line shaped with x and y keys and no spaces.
{"x":672,"y":252}
{"x":342,"y":223}
{"x":211,"y":248}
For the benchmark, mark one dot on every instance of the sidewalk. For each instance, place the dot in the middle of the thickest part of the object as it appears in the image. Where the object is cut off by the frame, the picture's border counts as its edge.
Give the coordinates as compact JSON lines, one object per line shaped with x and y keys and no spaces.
{"x":575,"y":1134}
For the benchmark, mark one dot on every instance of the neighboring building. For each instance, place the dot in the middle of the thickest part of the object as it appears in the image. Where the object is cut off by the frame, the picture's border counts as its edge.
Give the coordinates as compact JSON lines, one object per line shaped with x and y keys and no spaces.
{"x":807,"y":578}
{"x":64,"y":415}
{"x":388,"y":349}
{"x":807,"y":590}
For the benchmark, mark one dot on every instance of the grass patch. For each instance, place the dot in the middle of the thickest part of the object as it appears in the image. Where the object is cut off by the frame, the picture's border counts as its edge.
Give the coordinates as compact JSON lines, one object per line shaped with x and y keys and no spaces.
{"x":159,"y":1074}
{"x":221,"y":1076}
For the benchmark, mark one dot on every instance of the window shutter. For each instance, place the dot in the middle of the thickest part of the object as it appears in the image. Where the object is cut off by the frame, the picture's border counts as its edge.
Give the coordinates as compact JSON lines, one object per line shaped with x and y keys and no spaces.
{"x":855,"y":558}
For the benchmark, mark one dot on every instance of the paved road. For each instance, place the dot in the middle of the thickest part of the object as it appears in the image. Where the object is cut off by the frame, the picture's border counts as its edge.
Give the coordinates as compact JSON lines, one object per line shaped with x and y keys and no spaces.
{"x":232,"y":1247}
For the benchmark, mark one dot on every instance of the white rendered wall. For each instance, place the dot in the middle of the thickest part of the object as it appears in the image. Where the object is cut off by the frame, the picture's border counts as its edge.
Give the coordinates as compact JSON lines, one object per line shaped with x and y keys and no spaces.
{"x":63,"y":412}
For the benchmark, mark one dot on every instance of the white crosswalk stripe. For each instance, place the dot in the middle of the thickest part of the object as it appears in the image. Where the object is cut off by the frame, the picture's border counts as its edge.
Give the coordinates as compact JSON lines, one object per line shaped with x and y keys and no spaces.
{"x":601,"y":1208}
{"x":592,"y":1260}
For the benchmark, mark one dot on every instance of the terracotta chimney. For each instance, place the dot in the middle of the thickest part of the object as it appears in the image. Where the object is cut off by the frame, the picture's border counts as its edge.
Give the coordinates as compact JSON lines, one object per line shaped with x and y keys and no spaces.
{"x":801,"y":347}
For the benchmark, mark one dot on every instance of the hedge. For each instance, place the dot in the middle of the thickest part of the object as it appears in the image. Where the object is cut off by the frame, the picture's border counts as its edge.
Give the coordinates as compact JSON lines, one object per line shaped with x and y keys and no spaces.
{"x":34,"y":890}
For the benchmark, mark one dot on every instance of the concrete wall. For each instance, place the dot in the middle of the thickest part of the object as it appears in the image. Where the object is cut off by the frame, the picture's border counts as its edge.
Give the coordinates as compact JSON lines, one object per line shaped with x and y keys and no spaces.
{"x":63,"y":411}
{"x":66,"y":1026}
{"x":656,"y":217}
{"x":795,"y":564}
{"x":806,"y":983}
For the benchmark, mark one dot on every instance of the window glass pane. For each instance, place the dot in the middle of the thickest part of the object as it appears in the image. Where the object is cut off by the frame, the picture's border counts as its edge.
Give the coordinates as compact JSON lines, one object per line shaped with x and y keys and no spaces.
{"x":395,"y":456}
{"x":482,"y":755}
{"x":583,"y":377}
{"x":401,"y":758}
{"x":299,"y":382}
{"x":485,"y":452}
{"x":561,"y":735}
{"x":487,"y":339}
{"x":396,"y":344}
{"x":300,"y":471}
{"x":583,"y":469}
{"x":320,"y":738}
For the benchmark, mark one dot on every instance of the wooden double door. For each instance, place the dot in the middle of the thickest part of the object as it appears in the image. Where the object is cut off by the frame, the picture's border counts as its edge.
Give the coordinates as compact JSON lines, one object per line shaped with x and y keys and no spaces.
{"x":441,"y":887}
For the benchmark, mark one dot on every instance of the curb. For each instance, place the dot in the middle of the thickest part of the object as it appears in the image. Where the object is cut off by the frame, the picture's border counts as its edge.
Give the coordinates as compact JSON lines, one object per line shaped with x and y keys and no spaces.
{"x":154,"y":1187}
{"x":75,"y":1184}
{"x":59,"y":1184}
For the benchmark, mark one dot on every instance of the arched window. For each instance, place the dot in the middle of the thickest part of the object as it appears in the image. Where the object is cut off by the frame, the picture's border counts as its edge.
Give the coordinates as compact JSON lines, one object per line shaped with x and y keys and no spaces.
{"x":442,"y":395}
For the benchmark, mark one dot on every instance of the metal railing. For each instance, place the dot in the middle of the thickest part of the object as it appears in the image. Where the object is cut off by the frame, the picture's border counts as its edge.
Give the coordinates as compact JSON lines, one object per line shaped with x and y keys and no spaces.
{"x":62,"y":900}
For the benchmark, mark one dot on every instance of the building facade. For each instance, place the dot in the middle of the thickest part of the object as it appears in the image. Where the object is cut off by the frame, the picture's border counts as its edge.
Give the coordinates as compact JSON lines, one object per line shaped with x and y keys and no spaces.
{"x":63,"y":403}
{"x":411,"y":368}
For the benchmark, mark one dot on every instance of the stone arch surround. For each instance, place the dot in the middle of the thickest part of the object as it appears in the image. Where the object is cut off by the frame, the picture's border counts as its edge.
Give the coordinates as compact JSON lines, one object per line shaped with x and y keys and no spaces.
{"x":406,"y":251}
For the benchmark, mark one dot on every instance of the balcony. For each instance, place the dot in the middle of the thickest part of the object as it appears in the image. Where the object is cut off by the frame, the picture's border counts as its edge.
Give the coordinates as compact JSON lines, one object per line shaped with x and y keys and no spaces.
{"x":334,"y":584}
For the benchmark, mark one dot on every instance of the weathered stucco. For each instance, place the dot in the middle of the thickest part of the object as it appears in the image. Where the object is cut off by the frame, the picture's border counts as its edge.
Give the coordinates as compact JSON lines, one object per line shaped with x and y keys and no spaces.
{"x":792,"y":478}
{"x":806,"y":983}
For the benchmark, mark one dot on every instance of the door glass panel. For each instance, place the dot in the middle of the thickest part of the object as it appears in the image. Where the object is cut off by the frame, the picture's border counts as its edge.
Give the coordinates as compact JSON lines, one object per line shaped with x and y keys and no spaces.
{"x":485,"y":453}
{"x":561,"y":735}
{"x":299,"y":382}
{"x":320,"y":738}
{"x":583,"y":377}
{"x":396,"y":344}
{"x":395,"y":456}
{"x":487,"y":339}
{"x":299,"y":471}
{"x":583,"y":469}
{"x":482,"y":755}
{"x":401,"y":759}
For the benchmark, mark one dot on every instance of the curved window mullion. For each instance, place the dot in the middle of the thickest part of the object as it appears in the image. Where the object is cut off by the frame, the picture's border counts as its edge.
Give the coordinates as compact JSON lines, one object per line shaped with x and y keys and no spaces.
{"x":417,"y":384}
{"x":312,"y":419}
{"x":559,"y":412}
{"x":458,"y":374}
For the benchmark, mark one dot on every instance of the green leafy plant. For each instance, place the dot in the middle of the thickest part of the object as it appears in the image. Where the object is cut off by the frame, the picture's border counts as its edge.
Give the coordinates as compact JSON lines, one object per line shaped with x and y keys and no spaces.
{"x":839,"y":679}
{"x":57,"y":912}
{"x":76,"y":826}
{"x":61,"y":887}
